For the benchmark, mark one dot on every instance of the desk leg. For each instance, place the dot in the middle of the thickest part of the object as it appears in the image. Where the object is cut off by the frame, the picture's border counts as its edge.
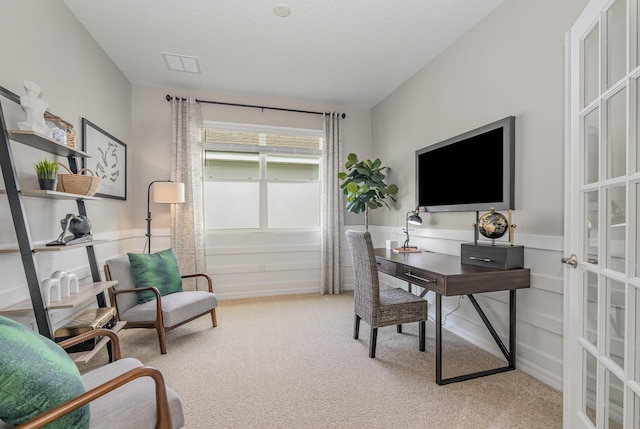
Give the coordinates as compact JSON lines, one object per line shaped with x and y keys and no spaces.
{"x":510,"y":354}
{"x":438,"y":338}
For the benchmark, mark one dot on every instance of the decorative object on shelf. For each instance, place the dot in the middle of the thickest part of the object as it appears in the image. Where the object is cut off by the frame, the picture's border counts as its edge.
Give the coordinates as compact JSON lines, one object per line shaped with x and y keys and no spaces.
{"x":68,"y":283}
{"x":61,"y":130}
{"x":164,"y":192}
{"x":412,"y":217}
{"x":59,"y":285}
{"x":51,"y":291}
{"x":88,"y":320}
{"x":79,"y":226}
{"x":108,"y":160}
{"x":34,"y":108}
{"x":47,"y":172}
{"x":494,"y":225}
{"x":78,"y":183}
{"x":364,"y":185}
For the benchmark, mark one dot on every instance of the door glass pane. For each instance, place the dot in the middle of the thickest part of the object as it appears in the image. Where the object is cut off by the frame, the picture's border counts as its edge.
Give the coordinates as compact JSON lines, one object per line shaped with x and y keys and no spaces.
{"x":615,"y":321}
{"x":616,"y":135}
{"x":589,"y":383}
{"x":294,"y":205}
{"x":615,"y":409}
{"x":637,"y":119}
{"x":590,"y":69}
{"x":635,"y":423}
{"x":636,"y":349}
{"x":616,"y":40}
{"x":592,"y":228}
{"x":616,"y":228}
{"x":591,"y":308}
{"x":232,"y":205}
{"x":592,"y":146}
{"x":637,"y":271}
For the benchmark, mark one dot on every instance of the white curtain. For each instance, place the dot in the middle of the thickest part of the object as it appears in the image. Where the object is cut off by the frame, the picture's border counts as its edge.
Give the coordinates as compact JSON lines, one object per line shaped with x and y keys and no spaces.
{"x":187,"y":220}
{"x":332,"y":206}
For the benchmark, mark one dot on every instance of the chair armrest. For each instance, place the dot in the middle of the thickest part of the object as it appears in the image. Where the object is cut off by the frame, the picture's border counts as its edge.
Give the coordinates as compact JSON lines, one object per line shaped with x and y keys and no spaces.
{"x":206,"y":276}
{"x":115,"y":340}
{"x":138,"y":289}
{"x":162,"y":403}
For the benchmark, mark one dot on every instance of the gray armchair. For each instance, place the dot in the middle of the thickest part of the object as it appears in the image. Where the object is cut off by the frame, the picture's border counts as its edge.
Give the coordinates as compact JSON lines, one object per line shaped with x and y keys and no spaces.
{"x":123,"y":393}
{"x":380,"y":307}
{"x":164,"y":313}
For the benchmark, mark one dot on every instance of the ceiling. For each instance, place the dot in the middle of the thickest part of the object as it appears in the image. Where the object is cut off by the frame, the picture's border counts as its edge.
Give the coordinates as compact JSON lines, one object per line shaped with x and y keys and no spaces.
{"x":338,"y":52}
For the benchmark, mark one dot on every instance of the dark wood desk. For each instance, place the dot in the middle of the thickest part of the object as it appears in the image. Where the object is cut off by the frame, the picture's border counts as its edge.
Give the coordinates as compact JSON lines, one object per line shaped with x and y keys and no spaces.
{"x":446,"y":276}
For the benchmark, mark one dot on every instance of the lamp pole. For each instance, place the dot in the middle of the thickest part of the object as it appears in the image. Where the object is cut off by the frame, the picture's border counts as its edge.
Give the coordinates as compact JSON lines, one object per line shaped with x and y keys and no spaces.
{"x":148,"y":234}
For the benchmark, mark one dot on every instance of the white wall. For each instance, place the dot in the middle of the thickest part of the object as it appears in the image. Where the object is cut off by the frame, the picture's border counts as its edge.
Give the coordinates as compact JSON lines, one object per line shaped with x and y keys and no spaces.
{"x":41,"y":41}
{"x":512,"y":63}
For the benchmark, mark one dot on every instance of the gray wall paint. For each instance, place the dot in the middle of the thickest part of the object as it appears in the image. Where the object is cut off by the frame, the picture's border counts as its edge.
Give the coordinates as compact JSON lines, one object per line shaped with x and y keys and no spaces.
{"x":512,"y":63}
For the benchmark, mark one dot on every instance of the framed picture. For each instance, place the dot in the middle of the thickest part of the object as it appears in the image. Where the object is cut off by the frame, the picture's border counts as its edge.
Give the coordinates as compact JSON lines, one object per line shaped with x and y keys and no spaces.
{"x":108,"y":160}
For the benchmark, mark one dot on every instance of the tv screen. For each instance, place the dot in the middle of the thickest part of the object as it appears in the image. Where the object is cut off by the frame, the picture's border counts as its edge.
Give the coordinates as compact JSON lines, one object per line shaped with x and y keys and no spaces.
{"x":470,"y":172}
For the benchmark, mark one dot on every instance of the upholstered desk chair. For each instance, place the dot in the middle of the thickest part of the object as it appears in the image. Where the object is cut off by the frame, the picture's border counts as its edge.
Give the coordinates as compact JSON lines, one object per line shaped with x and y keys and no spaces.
{"x":380,"y":307}
{"x":162,"y":312}
{"x":42,"y":387}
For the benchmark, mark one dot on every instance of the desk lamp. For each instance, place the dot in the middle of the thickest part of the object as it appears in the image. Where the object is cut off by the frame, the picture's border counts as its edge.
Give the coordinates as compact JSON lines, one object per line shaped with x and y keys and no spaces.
{"x":412,"y":218}
{"x":166,"y":192}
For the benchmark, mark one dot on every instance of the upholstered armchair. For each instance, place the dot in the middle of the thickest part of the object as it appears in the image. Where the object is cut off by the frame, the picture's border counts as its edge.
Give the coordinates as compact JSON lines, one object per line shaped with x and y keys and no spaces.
{"x":380,"y":307}
{"x":164,"y":308}
{"x":41,"y":386}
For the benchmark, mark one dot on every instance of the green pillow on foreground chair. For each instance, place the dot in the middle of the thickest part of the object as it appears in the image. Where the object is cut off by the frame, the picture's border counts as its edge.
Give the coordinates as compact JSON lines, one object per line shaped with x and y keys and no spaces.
{"x":40,"y":384}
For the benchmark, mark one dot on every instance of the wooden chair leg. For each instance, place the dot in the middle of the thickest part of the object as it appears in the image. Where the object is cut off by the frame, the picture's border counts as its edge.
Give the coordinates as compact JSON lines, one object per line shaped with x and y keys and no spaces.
{"x":421,"y":334}
{"x":372,"y":342}
{"x":399,"y":329}
{"x":162,"y":340}
{"x":356,"y":327}
{"x":214,"y":319}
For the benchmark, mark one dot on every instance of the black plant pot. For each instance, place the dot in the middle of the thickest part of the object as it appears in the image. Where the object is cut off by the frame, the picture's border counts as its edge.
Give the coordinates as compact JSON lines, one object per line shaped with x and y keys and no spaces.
{"x":48,"y":184}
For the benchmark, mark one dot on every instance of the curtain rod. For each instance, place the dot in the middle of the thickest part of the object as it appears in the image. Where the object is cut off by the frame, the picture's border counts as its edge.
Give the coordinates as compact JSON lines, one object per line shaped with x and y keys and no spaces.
{"x":169,"y":98}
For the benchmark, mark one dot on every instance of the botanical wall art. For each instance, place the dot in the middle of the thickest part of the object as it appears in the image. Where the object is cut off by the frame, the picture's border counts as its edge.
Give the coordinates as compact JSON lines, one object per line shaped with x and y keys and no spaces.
{"x":108,"y":160}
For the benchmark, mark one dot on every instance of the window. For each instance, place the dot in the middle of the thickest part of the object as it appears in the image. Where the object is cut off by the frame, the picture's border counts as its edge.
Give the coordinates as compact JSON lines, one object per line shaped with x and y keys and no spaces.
{"x":266,"y":178}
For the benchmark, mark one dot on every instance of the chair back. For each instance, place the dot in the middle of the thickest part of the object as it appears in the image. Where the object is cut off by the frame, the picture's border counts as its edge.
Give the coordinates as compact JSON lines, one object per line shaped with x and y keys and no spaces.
{"x":367,"y":288}
{"x":119,"y":269}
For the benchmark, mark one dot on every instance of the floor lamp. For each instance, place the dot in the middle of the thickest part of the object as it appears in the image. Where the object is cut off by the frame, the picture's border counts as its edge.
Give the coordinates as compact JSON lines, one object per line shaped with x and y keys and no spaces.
{"x":413,"y":217}
{"x":164,"y":192}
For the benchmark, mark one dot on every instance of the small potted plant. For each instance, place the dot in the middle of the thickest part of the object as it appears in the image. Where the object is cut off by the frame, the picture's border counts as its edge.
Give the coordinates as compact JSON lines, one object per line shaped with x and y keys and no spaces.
{"x":47,"y":172}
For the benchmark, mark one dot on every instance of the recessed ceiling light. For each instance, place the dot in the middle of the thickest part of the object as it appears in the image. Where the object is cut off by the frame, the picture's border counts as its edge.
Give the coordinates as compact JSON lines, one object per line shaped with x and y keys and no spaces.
{"x":282,"y":10}
{"x":181,"y":63}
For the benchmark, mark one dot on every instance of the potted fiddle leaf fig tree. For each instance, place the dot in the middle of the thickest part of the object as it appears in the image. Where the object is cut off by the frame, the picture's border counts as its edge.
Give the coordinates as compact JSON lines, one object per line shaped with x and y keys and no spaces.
{"x":47,"y":172}
{"x":364,"y":185}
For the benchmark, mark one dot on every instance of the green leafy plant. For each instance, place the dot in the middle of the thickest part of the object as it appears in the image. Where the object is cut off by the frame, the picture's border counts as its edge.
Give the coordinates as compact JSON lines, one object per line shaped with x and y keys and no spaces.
{"x":46,"y":169}
{"x":364,"y":185}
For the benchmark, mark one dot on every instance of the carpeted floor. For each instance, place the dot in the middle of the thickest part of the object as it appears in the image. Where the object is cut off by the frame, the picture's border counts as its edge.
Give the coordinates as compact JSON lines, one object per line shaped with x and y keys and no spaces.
{"x":291,"y":362}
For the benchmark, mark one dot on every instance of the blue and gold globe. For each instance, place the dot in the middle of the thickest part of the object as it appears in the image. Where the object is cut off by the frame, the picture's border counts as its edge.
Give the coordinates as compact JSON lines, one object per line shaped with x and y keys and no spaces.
{"x":493,"y":225}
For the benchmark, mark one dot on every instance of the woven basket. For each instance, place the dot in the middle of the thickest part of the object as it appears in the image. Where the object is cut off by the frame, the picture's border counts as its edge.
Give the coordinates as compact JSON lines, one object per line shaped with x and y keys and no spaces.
{"x":78,"y":183}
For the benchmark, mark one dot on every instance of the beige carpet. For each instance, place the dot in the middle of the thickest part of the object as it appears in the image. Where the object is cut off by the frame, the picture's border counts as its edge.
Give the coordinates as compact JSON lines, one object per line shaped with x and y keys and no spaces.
{"x":291,"y":362}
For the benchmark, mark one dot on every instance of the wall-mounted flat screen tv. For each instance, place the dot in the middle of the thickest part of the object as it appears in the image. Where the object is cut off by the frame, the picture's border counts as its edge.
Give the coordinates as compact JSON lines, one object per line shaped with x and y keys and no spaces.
{"x":470,"y":172}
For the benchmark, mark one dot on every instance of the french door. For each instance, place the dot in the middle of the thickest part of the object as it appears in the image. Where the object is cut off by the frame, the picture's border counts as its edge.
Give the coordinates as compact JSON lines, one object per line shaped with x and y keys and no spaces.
{"x":602,"y":275}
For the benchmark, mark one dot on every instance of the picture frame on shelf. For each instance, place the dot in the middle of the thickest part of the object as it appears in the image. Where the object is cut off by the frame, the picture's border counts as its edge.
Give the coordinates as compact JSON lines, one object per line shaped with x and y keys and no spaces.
{"x":108,"y":160}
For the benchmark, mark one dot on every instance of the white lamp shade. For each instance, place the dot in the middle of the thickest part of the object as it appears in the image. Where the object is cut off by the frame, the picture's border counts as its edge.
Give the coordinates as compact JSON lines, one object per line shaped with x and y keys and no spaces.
{"x":168,"y":192}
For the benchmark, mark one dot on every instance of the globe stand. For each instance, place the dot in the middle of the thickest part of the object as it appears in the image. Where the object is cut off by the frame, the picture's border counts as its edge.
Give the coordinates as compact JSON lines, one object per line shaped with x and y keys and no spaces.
{"x":493,"y":225}
{"x":478,"y":227}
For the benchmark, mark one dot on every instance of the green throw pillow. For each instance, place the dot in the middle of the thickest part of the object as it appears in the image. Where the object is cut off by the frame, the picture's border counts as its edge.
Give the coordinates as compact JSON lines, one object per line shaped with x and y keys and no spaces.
{"x":36,"y":375}
{"x":159,"y":270}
